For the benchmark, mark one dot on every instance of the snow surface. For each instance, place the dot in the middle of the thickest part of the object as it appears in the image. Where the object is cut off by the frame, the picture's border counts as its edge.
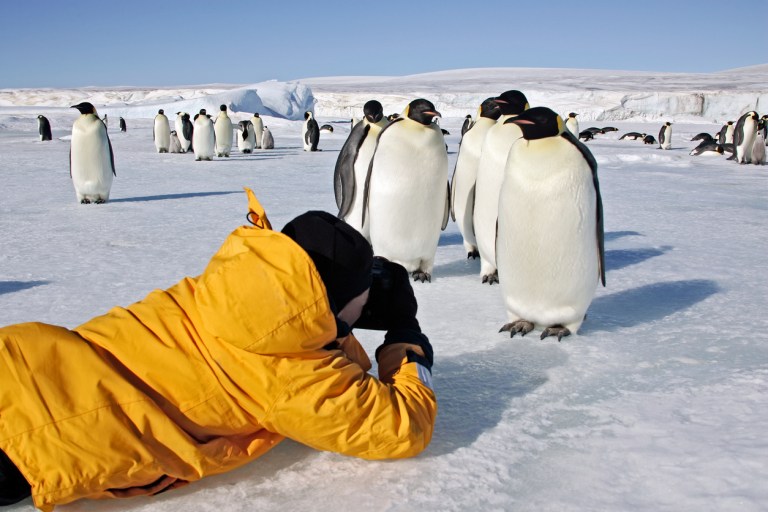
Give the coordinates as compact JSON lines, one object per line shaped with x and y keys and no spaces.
{"x":660,"y":403}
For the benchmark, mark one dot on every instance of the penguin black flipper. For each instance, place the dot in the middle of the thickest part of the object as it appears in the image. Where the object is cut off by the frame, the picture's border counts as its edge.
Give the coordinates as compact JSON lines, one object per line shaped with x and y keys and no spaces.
{"x":187,"y":129}
{"x":367,"y":189}
{"x":344,"y":173}
{"x":453,"y":189}
{"x":313,"y":134}
{"x":111,"y":157}
{"x":600,"y":231}
{"x":661,"y":135}
{"x":70,"y":161}
{"x":447,"y":206}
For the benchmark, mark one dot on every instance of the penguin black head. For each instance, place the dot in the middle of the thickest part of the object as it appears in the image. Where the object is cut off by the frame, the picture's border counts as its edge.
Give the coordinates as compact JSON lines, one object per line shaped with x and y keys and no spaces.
{"x":223,"y":108}
{"x":255,"y":114}
{"x":373,"y":111}
{"x":85,"y":108}
{"x":422,"y":111}
{"x":161,"y":111}
{"x":572,"y":114}
{"x":307,"y":114}
{"x":202,"y":112}
{"x":490,"y":109}
{"x":392,"y":117}
{"x":512,"y":102}
{"x":40,"y":116}
{"x":538,"y":123}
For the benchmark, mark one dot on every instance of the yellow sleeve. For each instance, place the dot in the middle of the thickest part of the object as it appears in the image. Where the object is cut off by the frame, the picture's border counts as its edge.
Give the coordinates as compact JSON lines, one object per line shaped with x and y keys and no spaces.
{"x":332,"y":404}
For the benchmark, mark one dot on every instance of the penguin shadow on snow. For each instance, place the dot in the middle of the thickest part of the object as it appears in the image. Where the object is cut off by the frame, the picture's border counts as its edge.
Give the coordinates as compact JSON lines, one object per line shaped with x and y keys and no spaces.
{"x":164,"y":197}
{"x":619,"y":258}
{"x":610,"y":236}
{"x":17,"y":286}
{"x":645,"y":304}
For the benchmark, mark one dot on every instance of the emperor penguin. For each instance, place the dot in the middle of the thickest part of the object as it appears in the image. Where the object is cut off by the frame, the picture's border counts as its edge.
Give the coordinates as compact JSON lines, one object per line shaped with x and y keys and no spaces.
{"x":726,"y":133}
{"x":203,"y":137}
{"x":184,"y":130}
{"x":665,"y":136}
{"x":44,"y":128}
{"x":490,"y":174}
{"x":465,"y":173}
{"x":258,"y":128}
{"x":758,"y":148}
{"x":405,"y":201}
{"x":632,"y":136}
{"x":572,"y":124}
{"x":744,"y":136}
{"x":551,"y":241}
{"x":764,"y":119}
{"x":246,"y":140}
{"x":267,"y":141}
{"x":175,"y":146}
{"x":161,"y":132}
{"x":123,"y":126}
{"x":91,"y":160}
{"x":311,"y":132}
{"x":467,"y":124}
{"x":223,"y":129}
{"x":707,"y":148}
{"x":352,"y":165}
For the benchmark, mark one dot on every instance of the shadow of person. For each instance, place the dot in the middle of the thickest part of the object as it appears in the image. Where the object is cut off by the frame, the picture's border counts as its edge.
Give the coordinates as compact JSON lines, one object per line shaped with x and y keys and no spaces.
{"x":619,"y":258}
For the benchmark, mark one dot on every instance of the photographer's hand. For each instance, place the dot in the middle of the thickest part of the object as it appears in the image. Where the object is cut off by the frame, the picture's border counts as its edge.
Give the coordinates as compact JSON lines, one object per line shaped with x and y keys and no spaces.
{"x":391,"y":303}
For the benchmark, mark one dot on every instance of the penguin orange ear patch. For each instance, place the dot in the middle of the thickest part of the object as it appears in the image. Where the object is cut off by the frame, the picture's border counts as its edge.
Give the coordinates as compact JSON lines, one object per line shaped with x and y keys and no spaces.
{"x":560,"y":125}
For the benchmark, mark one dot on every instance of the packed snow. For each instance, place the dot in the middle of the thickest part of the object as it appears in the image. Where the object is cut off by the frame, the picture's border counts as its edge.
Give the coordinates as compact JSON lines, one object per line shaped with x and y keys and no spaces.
{"x":659,"y":403}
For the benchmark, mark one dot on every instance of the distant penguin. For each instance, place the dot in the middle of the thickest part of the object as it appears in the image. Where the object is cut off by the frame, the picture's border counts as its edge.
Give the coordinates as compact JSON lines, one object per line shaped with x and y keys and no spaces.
{"x":406,"y":191}
{"x":725,"y":135}
{"x":551,"y":237}
{"x":392,"y":117}
{"x":223,"y":129}
{"x":175,"y":146}
{"x":105,"y":121}
{"x":665,"y":136}
{"x":704,"y":137}
{"x":246,"y":139}
{"x":161,"y":132}
{"x":467,"y":124}
{"x":707,"y":148}
{"x":327,"y":128}
{"x":649,"y":139}
{"x":44,"y":128}
{"x":91,"y":160}
{"x":594,"y":130}
{"x":352,"y":165}
{"x":632,"y":136}
{"x":184,"y":129}
{"x":203,"y":137}
{"x":123,"y":127}
{"x":490,"y":174}
{"x":758,"y":148}
{"x":465,"y":173}
{"x":311,"y":132}
{"x":572,"y":124}
{"x":586,"y":135}
{"x":608,"y":129}
{"x":764,"y":119}
{"x":267,"y":141}
{"x":258,"y":128}
{"x":744,"y":136}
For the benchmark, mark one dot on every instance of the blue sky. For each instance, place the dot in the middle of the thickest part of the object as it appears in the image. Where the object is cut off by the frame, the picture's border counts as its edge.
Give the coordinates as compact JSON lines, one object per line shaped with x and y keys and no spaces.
{"x":58,"y":43}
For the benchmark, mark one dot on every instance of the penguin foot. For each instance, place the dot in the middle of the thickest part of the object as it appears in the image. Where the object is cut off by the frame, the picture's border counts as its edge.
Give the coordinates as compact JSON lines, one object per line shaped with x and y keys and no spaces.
{"x":491,"y":278}
{"x":198,"y":159}
{"x":474,"y":254}
{"x":85,"y":200}
{"x":418,"y":275}
{"x":555,"y":330}
{"x":519,"y":326}
{"x":99,"y":201}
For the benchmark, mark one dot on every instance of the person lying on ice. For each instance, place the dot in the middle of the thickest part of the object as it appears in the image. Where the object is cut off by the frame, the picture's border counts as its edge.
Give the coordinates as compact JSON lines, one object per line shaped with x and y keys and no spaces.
{"x":211,"y":373}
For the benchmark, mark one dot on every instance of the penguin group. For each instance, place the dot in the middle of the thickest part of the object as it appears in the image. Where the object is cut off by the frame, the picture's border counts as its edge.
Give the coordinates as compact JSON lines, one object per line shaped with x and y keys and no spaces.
{"x":524,"y":194}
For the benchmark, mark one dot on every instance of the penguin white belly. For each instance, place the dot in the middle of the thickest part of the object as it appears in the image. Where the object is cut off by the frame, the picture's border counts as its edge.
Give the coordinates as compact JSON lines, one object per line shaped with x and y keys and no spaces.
{"x":305,"y":136}
{"x":203,"y":139}
{"x":465,"y":178}
{"x":548,"y":252}
{"x":355,"y":216}
{"x":162,"y":134}
{"x":407,"y":198}
{"x":223,"y":131}
{"x":258,"y":130}
{"x":267,"y":140}
{"x":91,"y":165}
{"x":729,"y":134}
{"x":175,"y":146}
{"x":744,"y":150}
{"x":490,"y":175}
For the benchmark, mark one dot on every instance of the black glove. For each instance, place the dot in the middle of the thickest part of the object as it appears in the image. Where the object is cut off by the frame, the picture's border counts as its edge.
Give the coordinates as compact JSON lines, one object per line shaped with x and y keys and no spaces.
{"x":398,"y":339}
{"x":391,"y":303}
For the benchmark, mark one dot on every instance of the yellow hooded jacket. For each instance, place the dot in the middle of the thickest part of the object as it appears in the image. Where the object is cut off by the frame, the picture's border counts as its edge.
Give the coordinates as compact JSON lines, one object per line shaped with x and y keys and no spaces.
{"x":197,"y":380}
